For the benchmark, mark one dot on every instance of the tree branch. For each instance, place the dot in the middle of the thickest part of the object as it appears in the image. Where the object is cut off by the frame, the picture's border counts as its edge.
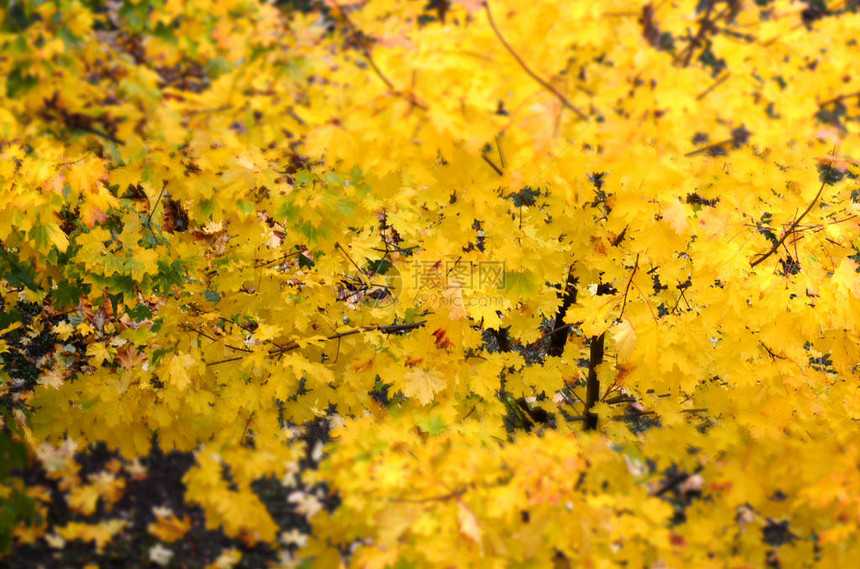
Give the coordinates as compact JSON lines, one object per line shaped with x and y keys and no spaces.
{"x":763,"y":256}
{"x":592,"y":385}
{"x":104,"y":135}
{"x":389,"y":329}
{"x":560,"y":330}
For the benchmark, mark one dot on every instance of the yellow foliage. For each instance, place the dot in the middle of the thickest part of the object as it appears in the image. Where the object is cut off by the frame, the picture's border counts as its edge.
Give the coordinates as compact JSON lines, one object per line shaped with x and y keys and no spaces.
{"x":99,"y":534}
{"x":576,"y":284}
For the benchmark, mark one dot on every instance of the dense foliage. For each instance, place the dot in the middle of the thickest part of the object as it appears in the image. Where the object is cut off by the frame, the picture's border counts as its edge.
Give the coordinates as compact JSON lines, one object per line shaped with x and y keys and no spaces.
{"x":567,"y":283}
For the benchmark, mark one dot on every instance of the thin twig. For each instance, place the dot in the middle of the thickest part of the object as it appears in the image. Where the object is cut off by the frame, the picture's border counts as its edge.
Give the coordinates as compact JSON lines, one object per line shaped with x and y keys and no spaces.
{"x":443,"y":498}
{"x":528,"y":70}
{"x":369,"y":57}
{"x":501,"y":154}
{"x":627,"y":288}
{"x":713,"y":86}
{"x":647,"y":302}
{"x":208,"y":337}
{"x":709,"y":147}
{"x":152,"y":211}
{"x":555,"y":330}
{"x":619,"y":399}
{"x":839,"y":98}
{"x":104,"y":135}
{"x":388,"y":329}
{"x":671,"y":483}
{"x":495,"y":168}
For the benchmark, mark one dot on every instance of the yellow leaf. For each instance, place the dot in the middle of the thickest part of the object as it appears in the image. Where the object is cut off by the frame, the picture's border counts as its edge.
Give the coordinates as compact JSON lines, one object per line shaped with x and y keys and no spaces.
{"x":625,"y":339}
{"x":3,"y":345}
{"x":63,"y":330}
{"x":423,"y":385}
{"x":676,"y":216}
{"x":167,"y":527}
{"x":52,"y":378}
{"x":469,"y":525}
{"x":175,"y":372}
{"x":143,"y":262}
{"x":46,"y":234}
{"x":84,"y":174}
{"x":85,"y":329}
{"x":94,"y":209}
{"x":99,"y":353}
{"x":228,"y":559}
{"x":83,"y":499}
{"x":10,"y":327}
{"x":266,"y":332}
{"x":846,"y":277}
{"x":99,"y":534}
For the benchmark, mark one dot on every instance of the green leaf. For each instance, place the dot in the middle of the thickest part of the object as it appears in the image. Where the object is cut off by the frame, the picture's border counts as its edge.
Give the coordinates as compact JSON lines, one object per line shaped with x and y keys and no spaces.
{"x":68,"y":293}
{"x":134,"y":14}
{"x":17,"y":83}
{"x":140,"y":312}
{"x":434,"y":425}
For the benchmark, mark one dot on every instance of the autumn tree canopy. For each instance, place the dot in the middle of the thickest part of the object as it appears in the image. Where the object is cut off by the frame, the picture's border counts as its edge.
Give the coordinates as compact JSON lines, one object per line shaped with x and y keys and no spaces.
{"x":570,"y":283}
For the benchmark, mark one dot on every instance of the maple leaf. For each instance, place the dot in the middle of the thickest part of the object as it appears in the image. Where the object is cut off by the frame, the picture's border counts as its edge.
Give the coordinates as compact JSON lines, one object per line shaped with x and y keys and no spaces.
{"x":46,"y":235}
{"x":63,"y":330}
{"x":175,"y":370}
{"x":104,"y":485}
{"x":266,"y":332}
{"x":99,"y":353}
{"x":167,"y":527}
{"x":469,"y":525}
{"x":676,"y":216}
{"x":847,"y":278}
{"x":52,"y":378}
{"x":142,"y":262}
{"x":306,"y":504}
{"x":423,"y":384}
{"x":624,"y":337}
{"x":129,"y":357}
